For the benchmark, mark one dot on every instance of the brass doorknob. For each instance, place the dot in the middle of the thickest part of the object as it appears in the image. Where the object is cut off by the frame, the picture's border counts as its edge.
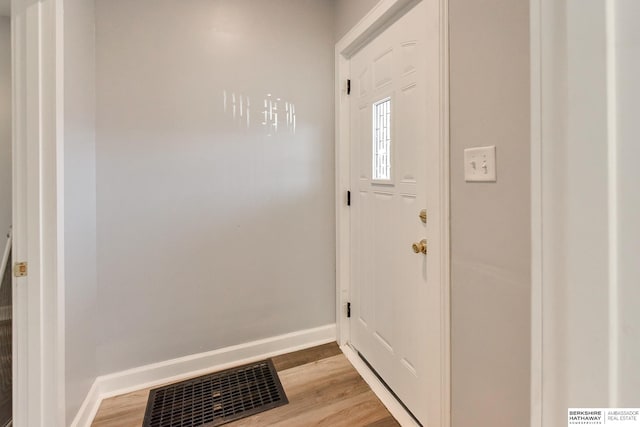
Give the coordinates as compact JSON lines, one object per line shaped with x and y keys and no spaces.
{"x":420,"y":247}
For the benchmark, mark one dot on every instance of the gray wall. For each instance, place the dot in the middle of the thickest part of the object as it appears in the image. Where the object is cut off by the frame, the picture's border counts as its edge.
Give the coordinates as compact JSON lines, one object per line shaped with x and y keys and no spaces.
{"x":212,"y":232}
{"x":348,"y":13}
{"x":5,"y":128}
{"x":490,"y":222}
{"x":80,"y":202}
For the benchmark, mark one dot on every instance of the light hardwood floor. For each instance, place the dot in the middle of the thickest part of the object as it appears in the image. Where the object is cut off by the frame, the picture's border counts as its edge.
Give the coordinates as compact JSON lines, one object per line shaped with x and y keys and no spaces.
{"x":322,"y":386}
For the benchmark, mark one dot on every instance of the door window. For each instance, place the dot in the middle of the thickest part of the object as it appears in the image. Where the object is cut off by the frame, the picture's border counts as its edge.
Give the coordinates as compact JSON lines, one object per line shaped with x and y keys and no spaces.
{"x":382,"y":140}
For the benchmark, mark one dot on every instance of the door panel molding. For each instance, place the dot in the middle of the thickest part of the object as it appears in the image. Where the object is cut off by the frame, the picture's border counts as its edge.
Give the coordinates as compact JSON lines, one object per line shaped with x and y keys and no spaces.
{"x":377,"y":20}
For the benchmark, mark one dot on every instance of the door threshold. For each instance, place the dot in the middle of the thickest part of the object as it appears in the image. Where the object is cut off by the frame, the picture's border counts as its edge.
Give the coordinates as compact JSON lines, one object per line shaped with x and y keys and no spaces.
{"x":387,"y":398}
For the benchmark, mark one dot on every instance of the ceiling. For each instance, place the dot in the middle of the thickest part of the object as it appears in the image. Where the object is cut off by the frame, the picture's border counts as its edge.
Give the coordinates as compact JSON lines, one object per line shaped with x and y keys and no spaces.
{"x":5,"y":7}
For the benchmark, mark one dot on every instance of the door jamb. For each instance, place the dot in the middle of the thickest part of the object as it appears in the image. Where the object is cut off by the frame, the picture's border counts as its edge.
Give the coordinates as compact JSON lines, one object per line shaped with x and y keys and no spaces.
{"x":535,"y":16}
{"x":38,"y":227}
{"x":380,"y":17}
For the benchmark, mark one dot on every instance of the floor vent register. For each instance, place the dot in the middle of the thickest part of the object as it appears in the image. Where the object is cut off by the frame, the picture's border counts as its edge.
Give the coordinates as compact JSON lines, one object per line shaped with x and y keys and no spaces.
{"x":216,"y":399}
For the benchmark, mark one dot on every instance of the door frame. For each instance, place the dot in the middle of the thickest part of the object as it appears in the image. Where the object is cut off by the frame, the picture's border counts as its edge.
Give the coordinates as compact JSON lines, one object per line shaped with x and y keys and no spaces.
{"x":38,"y":227}
{"x":535,"y":40}
{"x":385,"y":13}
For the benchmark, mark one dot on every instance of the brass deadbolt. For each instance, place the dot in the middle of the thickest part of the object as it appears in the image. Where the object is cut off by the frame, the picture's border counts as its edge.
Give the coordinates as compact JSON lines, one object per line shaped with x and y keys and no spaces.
{"x":423,"y":215}
{"x":420,"y":247}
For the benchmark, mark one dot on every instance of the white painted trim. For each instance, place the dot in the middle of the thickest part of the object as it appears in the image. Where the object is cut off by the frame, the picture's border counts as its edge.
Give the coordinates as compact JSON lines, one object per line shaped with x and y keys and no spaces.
{"x":5,"y":257}
{"x":388,"y":400}
{"x":198,"y":364}
{"x":536,"y":213}
{"x":38,"y":346}
{"x":343,"y":214}
{"x":380,"y":17}
{"x":612,"y":178}
{"x":89,"y":407}
{"x":445,"y":206}
{"x":383,"y":14}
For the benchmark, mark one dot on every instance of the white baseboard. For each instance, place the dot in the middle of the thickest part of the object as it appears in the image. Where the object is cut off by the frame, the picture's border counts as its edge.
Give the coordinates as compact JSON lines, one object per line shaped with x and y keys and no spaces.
{"x":388,"y":400}
{"x":198,"y":364}
{"x":89,"y":408}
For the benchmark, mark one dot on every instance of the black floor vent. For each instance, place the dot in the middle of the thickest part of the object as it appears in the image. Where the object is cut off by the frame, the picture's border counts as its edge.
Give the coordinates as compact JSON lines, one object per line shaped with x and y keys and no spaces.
{"x":216,"y":399}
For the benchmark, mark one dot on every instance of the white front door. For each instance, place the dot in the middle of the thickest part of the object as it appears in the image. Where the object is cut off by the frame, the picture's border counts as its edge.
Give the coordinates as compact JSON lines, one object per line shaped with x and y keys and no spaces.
{"x":395,"y":174}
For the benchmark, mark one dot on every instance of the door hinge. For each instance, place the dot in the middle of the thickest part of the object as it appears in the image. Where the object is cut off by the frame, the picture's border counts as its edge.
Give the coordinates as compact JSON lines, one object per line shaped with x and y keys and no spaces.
{"x":348,"y":86}
{"x":348,"y":198}
{"x":348,"y":309}
{"x":20,"y":269}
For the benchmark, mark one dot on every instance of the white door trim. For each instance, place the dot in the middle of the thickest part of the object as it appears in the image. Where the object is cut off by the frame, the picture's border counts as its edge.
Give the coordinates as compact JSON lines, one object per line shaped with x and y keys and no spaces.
{"x":536,"y":213}
{"x":380,"y":17}
{"x":38,"y":233}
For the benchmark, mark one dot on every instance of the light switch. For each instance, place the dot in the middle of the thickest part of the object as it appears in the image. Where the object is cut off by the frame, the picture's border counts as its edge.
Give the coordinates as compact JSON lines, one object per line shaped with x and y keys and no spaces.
{"x":480,"y":164}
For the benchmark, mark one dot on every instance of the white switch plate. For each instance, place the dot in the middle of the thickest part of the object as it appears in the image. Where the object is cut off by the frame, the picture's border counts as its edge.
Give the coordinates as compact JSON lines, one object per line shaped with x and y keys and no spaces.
{"x":480,"y":164}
